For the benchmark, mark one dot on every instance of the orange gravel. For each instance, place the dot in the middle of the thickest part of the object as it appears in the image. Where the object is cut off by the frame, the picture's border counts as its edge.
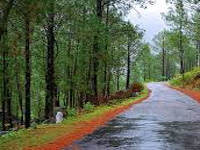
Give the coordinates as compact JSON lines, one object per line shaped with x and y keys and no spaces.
{"x":193,"y":94}
{"x":84,"y":128}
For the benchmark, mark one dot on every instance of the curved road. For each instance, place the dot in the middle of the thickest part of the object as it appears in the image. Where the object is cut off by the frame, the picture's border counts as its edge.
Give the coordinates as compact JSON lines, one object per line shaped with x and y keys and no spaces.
{"x":167,"y":120}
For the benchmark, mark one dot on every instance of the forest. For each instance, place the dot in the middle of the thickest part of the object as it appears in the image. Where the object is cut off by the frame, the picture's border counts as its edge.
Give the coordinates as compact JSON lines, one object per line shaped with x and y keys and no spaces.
{"x":65,"y":53}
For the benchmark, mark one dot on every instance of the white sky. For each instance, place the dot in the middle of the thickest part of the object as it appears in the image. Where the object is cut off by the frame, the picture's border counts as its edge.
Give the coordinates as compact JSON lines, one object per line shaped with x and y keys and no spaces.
{"x":149,"y":19}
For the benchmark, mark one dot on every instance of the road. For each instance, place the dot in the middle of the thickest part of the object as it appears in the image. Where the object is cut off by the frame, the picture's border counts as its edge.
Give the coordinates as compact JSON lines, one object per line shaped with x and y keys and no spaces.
{"x":167,"y":120}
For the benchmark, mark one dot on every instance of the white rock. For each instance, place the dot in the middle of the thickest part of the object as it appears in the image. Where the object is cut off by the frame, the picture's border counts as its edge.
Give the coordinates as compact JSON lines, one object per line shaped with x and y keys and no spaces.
{"x":59,"y":117}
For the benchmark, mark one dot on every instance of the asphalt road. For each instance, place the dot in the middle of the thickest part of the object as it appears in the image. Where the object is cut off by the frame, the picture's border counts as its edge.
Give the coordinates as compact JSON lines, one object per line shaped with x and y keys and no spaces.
{"x":167,"y":120}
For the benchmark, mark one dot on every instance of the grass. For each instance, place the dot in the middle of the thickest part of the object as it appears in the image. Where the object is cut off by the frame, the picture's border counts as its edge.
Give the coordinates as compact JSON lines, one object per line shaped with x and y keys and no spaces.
{"x":190,"y":81}
{"x":17,"y":140}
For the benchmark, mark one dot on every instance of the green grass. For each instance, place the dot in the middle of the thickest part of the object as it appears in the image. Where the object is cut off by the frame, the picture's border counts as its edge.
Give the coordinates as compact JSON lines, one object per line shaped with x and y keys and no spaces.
{"x":190,"y":79}
{"x":45,"y":133}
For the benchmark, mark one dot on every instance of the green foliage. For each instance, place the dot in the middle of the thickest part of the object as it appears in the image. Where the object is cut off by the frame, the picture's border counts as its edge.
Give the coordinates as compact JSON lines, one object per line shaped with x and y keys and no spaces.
{"x":71,"y":112}
{"x":190,"y":79}
{"x":168,"y":50}
{"x":13,"y":134}
{"x":32,"y":138}
{"x":76,"y":25}
{"x":88,"y":107}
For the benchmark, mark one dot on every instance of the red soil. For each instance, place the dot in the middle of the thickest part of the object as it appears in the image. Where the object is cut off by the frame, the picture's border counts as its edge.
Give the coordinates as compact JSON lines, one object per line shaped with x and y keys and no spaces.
{"x":193,"y":94}
{"x":84,"y":128}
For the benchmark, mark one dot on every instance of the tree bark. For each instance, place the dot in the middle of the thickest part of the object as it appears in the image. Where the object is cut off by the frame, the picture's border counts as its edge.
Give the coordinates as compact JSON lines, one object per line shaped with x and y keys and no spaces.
{"x":9,"y":107}
{"x":50,"y":74}
{"x":6,"y":100}
{"x":106,"y":49}
{"x":20,"y":99}
{"x":3,"y":40}
{"x":128,"y":65}
{"x":96,"y":48}
{"x":118,"y":79}
{"x":163,"y":58}
{"x":108,"y":82}
{"x":27,"y":74}
{"x":181,"y":49}
{"x":4,"y":18}
{"x":5,"y":87}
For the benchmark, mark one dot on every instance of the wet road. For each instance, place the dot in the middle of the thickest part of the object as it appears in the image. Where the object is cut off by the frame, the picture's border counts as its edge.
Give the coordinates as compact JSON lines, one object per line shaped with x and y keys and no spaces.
{"x":167,"y":120}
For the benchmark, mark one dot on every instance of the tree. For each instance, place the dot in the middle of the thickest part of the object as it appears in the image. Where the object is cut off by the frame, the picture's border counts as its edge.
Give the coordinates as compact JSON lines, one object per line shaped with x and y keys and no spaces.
{"x":7,"y":6}
{"x":27,"y":71}
{"x":50,"y":73}
{"x":160,"y":43}
{"x":178,"y":19}
{"x":6,"y":96}
{"x":65,"y":53}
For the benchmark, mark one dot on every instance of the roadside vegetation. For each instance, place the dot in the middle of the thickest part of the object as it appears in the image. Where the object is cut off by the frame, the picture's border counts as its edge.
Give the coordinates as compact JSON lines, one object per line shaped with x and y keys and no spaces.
{"x":40,"y":134}
{"x":191,"y":80}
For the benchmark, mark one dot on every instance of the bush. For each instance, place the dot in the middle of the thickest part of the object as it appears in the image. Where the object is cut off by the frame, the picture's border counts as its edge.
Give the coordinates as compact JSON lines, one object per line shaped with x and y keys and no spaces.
{"x":122,"y":94}
{"x":176,"y":82}
{"x":88,"y":107}
{"x":71,"y":112}
{"x":136,"y":87}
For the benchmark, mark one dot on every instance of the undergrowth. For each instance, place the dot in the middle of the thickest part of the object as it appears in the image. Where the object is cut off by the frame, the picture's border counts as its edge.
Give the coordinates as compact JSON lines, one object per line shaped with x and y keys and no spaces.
{"x":191,"y":80}
{"x":17,"y":140}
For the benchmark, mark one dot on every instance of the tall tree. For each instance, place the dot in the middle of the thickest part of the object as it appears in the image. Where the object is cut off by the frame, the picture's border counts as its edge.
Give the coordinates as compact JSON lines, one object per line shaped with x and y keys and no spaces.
{"x":27,"y":72}
{"x":6,"y":96}
{"x":50,"y":73}
{"x":96,"y":47}
{"x":178,"y":19}
{"x":7,"y":6}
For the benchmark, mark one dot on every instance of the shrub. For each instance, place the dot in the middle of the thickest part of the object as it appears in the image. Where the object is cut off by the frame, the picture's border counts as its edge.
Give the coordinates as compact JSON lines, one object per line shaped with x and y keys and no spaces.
{"x":71,"y":112}
{"x":120,"y":95}
{"x":88,"y":107}
{"x":176,"y":82}
{"x":136,"y":87}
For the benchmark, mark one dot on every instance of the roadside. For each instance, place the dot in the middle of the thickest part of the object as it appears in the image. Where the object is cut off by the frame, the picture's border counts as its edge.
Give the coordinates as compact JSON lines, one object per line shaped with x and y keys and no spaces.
{"x":189,"y":85}
{"x":192,"y":93}
{"x":166,"y":120}
{"x":56,"y":136}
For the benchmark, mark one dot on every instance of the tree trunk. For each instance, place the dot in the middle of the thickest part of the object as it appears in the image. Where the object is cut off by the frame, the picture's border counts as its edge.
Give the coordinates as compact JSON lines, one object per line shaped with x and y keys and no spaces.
{"x":4,"y":18}
{"x":106,"y":48}
{"x":182,"y":66}
{"x":163,"y":59}
{"x":9,"y":107}
{"x":96,"y":48}
{"x":27,"y":73}
{"x":5,"y":86}
{"x":149,"y":71}
{"x":3,"y":41}
{"x":128,"y":65}
{"x":108,"y":82}
{"x":57,"y":101}
{"x":168,"y":69}
{"x":118,"y":79}
{"x":144,"y":71}
{"x":6,"y":101}
{"x":20,"y":98}
{"x":50,"y":75}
